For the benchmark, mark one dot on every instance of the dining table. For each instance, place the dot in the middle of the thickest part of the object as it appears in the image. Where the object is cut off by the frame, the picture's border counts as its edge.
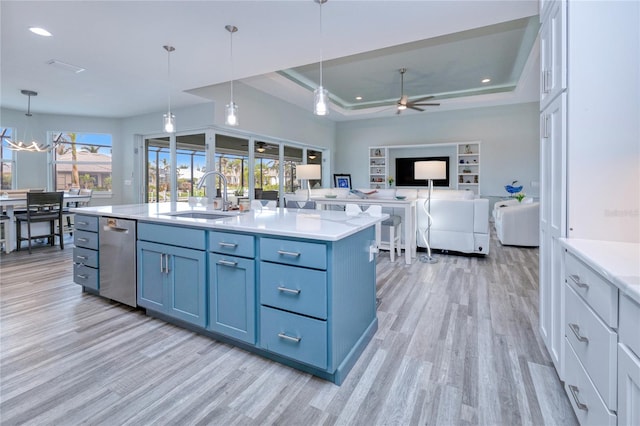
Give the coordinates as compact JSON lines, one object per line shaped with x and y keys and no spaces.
{"x":8,"y":205}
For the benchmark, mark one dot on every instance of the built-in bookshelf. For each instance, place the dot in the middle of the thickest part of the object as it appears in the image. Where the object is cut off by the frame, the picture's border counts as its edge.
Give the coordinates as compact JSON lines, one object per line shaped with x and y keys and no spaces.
{"x":468,"y":166}
{"x":378,"y":167}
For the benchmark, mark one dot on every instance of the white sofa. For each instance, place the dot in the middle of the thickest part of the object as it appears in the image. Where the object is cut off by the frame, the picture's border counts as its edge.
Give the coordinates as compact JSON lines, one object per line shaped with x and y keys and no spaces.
{"x":518,"y":224}
{"x":460,"y":221}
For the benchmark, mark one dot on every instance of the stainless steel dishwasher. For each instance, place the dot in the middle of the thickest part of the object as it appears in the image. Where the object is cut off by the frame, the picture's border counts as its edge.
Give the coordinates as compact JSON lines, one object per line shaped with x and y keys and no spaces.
{"x":117,"y":242}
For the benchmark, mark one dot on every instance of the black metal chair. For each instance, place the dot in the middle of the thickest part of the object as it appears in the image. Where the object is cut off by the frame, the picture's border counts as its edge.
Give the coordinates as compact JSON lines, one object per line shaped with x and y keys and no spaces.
{"x":41,"y":207}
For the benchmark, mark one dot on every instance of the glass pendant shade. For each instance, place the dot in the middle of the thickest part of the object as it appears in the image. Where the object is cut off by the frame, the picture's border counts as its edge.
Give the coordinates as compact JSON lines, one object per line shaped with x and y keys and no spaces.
{"x":231,"y":114}
{"x":169,"y":121}
{"x":320,"y":101}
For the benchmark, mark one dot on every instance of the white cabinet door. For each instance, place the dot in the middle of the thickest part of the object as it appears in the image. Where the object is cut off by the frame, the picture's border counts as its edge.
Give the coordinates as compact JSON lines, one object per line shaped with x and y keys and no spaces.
{"x":553,"y":58}
{"x":628,"y":387}
{"x":553,"y":151}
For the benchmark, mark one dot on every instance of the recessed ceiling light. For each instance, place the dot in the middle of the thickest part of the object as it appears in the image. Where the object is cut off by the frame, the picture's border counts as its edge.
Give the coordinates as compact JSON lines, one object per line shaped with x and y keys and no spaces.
{"x":40,"y":31}
{"x":486,"y":80}
{"x":358,"y":98}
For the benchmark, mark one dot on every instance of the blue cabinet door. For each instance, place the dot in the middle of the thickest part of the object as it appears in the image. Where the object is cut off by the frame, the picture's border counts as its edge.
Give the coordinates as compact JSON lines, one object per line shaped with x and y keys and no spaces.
{"x":172,"y":281}
{"x":151,"y":276}
{"x":187,"y":285}
{"x":232,"y":298}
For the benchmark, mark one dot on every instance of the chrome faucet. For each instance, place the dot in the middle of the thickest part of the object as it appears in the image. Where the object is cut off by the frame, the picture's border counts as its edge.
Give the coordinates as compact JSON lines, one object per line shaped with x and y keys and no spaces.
{"x":225,"y":198}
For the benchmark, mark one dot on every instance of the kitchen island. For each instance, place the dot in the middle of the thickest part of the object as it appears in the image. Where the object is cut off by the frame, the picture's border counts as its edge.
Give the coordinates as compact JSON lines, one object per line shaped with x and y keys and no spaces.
{"x":296,"y":286}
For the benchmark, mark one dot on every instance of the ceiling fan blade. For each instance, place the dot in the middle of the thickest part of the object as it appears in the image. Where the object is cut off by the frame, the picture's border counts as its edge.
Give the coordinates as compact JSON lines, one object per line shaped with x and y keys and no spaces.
{"x":425,"y":98}
{"x":423,"y":104}
{"x":415,"y":107}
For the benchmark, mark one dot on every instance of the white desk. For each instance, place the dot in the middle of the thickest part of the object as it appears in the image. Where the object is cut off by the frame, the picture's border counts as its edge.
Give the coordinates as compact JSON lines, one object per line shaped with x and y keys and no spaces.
{"x":9,"y":203}
{"x":409,"y":206}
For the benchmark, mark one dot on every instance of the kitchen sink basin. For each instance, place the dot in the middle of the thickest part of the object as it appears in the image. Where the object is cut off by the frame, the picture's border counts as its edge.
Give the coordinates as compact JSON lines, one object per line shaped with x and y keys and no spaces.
{"x":203,"y":215}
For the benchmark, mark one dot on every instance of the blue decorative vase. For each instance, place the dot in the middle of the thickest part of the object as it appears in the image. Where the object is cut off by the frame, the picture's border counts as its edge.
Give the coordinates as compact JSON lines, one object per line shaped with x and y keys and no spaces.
{"x":513,"y":189}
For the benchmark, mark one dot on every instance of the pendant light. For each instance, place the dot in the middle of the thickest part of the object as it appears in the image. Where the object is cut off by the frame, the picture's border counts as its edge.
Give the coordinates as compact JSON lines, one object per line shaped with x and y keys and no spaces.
{"x":231,"y":110}
{"x":320,"y":95}
{"x":168,"y":119}
{"x":28,"y":143}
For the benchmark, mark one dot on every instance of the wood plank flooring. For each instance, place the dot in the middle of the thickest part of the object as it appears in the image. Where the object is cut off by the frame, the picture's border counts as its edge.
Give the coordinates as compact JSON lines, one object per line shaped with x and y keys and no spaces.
{"x":457,"y":344}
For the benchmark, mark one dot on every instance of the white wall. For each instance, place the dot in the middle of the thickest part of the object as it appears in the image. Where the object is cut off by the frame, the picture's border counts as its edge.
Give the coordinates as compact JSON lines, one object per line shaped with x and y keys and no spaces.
{"x":509,"y":136}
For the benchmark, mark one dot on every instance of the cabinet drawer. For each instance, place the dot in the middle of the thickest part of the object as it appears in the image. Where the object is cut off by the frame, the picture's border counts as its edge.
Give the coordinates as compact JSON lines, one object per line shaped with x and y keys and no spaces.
{"x":594,"y":344}
{"x":85,"y":223}
{"x":300,"y":290}
{"x":599,"y":294}
{"x":230,"y":243}
{"x":291,"y":252}
{"x":294,"y":336}
{"x":629,"y":323}
{"x":172,"y":235}
{"x":592,"y":410}
{"x":85,"y":256}
{"x":85,"y":276}
{"x":85,"y":239}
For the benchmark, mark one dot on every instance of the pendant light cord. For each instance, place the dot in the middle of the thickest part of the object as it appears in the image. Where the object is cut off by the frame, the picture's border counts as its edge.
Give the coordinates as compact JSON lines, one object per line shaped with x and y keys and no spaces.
{"x":231,"y":60}
{"x":169,"y":80}
{"x":321,"y":43}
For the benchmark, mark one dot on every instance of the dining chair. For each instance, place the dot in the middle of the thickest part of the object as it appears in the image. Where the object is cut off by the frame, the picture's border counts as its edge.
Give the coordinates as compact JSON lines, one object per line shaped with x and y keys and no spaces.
{"x":41,"y":207}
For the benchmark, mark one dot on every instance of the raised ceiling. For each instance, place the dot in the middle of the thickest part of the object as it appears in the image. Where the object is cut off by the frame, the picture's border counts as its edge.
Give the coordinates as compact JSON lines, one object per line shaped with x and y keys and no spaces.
{"x":447,"y":46}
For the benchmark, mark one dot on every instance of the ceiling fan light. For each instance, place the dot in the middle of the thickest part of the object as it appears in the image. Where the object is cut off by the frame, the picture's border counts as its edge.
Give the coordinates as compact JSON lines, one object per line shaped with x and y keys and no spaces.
{"x":320,"y":101}
{"x":169,"y":121}
{"x":401,"y":107}
{"x":231,"y":114}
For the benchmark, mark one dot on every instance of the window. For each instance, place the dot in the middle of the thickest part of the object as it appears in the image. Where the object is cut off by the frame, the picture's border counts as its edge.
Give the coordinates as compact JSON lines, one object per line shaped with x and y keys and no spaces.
{"x":6,"y":160}
{"x":82,"y":160}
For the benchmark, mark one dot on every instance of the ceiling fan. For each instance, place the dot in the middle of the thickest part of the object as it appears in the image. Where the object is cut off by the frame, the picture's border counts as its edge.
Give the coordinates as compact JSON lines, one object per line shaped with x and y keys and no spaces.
{"x":262,"y":146}
{"x":404,"y":102}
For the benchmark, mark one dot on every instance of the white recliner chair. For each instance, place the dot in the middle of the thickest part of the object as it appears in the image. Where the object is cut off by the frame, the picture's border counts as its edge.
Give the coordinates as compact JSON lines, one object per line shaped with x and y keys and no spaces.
{"x":518,"y":225}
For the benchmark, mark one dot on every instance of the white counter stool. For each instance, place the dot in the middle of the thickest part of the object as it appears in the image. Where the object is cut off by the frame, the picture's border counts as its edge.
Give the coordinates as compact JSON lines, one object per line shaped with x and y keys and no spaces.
{"x":394,"y":224}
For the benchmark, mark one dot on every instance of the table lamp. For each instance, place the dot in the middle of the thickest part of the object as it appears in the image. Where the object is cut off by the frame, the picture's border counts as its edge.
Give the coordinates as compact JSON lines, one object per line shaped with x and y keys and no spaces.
{"x":308,"y":172}
{"x":429,"y":170}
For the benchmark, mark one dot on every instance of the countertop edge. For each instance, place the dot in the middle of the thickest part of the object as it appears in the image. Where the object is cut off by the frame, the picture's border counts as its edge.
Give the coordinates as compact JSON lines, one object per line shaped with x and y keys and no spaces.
{"x":603,"y":257}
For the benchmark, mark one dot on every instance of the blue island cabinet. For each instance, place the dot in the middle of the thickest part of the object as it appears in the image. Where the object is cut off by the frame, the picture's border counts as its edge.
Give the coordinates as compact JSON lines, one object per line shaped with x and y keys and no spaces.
{"x":172,"y":268}
{"x":317,"y":301}
{"x":232,"y":294}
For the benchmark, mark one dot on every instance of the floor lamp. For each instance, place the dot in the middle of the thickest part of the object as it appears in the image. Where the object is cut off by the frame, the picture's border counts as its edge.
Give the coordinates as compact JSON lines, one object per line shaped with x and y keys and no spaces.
{"x":429,"y":170}
{"x":308,"y":172}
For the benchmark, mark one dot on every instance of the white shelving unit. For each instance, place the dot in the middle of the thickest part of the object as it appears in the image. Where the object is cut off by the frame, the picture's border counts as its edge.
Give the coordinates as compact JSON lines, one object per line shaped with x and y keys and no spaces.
{"x":468,"y":167}
{"x":378,"y":167}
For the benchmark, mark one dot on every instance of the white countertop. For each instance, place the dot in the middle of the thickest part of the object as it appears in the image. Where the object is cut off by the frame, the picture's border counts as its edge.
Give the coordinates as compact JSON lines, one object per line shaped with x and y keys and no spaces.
{"x":618,"y":262}
{"x":325,"y":225}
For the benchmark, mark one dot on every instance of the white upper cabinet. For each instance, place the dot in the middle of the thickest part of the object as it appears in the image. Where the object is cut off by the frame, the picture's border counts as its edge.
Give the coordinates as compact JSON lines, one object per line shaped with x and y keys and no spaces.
{"x":553,"y":49}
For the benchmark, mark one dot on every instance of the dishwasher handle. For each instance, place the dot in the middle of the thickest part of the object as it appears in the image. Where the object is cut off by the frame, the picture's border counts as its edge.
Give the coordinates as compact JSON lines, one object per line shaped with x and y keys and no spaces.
{"x":112,"y":228}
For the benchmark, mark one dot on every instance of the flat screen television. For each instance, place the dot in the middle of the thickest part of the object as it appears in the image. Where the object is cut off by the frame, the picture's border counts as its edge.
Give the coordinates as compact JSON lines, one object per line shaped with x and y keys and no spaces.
{"x":405,"y":168}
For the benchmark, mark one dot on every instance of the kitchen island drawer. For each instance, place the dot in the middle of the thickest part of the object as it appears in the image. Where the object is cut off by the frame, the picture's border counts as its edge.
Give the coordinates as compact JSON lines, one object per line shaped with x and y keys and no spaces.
{"x":583,"y":396}
{"x":85,"y":256}
{"x":85,"y":223}
{"x":295,"y":289}
{"x":172,"y":235}
{"x":294,"y":252}
{"x":85,"y":239}
{"x":599,"y":294}
{"x":294,"y":336}
{"x":235,"y":244}
{"x":594,"y":344}
{"x":85,"y":276}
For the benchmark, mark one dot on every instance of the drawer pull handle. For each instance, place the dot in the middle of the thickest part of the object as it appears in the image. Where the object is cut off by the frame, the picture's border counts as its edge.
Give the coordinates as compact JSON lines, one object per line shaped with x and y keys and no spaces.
{"x":83,"y":223}
{"x":576,"y":279}
{"x":82,"y":257}
{"x":574,"y":392}
{"x":227,"y":263}
{"x":288,"y":253}
{"x":288,"y":290}
{"x":231,"y":245}
{"x":576,"y":330}
{"x":83,"y":240}
{"x":293,"y":339}
{"x":82,"y":277}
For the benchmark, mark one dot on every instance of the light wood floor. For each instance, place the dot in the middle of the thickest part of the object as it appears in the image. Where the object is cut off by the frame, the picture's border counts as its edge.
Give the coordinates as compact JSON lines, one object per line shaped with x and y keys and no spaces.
{"x":458,"y":343}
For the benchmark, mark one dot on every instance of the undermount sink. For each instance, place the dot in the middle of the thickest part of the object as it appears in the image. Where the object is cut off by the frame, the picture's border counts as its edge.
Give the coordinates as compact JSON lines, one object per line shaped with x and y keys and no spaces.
{"x":203,"y":215}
